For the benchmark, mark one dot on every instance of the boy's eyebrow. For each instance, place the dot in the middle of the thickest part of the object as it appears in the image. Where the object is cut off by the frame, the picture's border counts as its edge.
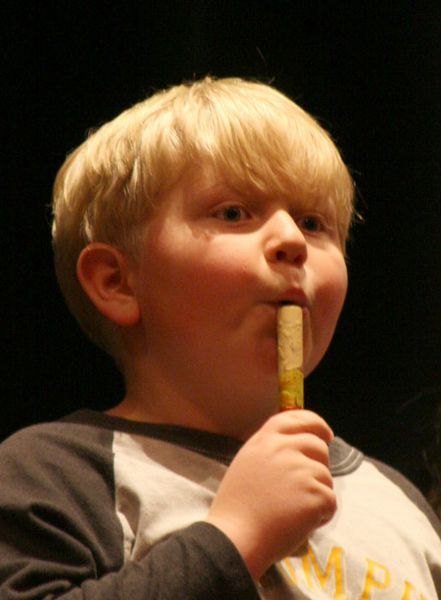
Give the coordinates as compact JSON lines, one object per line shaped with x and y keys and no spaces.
{"x":204,"y":188}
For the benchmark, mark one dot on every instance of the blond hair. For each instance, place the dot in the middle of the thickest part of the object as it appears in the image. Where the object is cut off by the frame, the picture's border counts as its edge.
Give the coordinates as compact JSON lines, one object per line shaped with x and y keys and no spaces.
{"x":253,"y":135}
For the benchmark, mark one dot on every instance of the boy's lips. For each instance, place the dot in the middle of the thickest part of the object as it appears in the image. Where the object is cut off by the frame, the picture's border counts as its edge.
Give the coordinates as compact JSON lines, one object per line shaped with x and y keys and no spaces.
{"x":295,"y":296}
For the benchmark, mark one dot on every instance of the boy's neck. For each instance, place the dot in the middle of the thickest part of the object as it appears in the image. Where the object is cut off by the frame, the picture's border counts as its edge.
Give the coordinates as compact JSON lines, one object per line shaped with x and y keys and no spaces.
{"x":143,"y":405}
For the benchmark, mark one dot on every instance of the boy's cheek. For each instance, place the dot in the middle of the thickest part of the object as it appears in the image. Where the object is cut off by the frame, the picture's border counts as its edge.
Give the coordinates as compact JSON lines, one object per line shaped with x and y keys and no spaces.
{"x":333,"y":282}
{"x":321,"y":320}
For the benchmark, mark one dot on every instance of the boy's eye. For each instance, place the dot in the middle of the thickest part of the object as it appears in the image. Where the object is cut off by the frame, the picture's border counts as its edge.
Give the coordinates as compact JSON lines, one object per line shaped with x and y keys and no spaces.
{"x":231,"y":213}
{"x":311,"y":223}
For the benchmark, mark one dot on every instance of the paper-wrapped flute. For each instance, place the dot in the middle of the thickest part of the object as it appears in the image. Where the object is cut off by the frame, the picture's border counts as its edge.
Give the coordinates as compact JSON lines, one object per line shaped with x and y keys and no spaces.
{"x":290,"y":356}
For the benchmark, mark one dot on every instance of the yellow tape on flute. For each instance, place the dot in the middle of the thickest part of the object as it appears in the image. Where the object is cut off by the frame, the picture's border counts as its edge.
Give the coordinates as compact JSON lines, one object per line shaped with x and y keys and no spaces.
{"x":290,"y":356}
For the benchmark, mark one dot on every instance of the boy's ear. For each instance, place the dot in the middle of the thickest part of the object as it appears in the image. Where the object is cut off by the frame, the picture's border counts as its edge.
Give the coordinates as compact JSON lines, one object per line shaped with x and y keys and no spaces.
{"x":106,"y":277}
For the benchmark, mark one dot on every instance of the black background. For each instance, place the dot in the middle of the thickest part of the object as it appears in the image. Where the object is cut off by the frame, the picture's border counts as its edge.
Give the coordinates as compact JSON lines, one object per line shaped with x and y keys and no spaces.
{"x":370,"y":72}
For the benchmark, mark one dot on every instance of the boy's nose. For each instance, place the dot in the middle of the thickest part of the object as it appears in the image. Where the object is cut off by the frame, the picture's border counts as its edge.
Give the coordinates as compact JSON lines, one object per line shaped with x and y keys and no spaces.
{"x":285,"y":242}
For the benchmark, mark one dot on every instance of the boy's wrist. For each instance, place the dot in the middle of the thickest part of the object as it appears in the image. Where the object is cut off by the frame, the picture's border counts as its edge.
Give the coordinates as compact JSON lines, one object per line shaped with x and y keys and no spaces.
{"x":245,"y":544}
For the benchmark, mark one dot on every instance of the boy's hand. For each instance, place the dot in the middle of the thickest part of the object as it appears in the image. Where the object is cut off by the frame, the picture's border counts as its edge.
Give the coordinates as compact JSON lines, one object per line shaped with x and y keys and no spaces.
{"x":277,"y":489}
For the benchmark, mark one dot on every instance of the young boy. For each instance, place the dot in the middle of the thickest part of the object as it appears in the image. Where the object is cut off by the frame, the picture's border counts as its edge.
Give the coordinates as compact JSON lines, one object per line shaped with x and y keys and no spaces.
{"x":180,"y":228}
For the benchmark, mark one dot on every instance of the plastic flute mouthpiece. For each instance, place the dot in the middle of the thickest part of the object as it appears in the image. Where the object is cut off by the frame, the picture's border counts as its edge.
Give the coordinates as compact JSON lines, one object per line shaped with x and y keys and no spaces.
{"x":290,"y":356}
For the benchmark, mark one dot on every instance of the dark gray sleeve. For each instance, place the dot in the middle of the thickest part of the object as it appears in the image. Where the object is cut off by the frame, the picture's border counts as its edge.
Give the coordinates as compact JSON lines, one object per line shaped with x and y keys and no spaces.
{"x":195,"y":564}
{"x":60,"y":537}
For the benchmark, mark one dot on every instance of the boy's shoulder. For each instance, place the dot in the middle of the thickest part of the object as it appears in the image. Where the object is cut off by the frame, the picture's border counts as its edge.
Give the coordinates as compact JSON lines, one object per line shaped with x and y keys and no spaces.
{"x":409,"y":490}
{"x":76,"y":436}
{"x":372,"y":478}
{"x":55,"y":459}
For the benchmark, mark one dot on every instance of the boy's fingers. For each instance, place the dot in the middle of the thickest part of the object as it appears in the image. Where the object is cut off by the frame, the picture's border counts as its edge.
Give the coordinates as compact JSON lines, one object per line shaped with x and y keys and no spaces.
{"x":301,"y":421}
{"x":313,"y":447}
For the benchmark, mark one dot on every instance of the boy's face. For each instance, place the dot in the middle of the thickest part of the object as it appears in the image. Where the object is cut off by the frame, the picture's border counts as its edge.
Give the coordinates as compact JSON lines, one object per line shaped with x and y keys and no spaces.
{"x":215,"y":267}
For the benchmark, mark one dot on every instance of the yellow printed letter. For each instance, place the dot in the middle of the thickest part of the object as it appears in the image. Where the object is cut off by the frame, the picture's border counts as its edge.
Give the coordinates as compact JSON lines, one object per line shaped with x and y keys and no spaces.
{"x":289,"y":568}
{"x":372,"y":582}
{"x":408,"y":588}
{"x":334,"y":563}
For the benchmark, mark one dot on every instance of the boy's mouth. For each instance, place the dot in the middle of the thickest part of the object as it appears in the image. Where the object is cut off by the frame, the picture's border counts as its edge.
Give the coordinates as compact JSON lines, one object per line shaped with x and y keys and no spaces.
{"x":292,"y":297}
{"x":299,"y":300}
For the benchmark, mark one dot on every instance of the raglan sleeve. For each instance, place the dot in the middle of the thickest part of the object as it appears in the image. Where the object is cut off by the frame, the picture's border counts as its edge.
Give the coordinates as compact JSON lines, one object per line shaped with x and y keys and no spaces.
{"x":60,"y":538}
